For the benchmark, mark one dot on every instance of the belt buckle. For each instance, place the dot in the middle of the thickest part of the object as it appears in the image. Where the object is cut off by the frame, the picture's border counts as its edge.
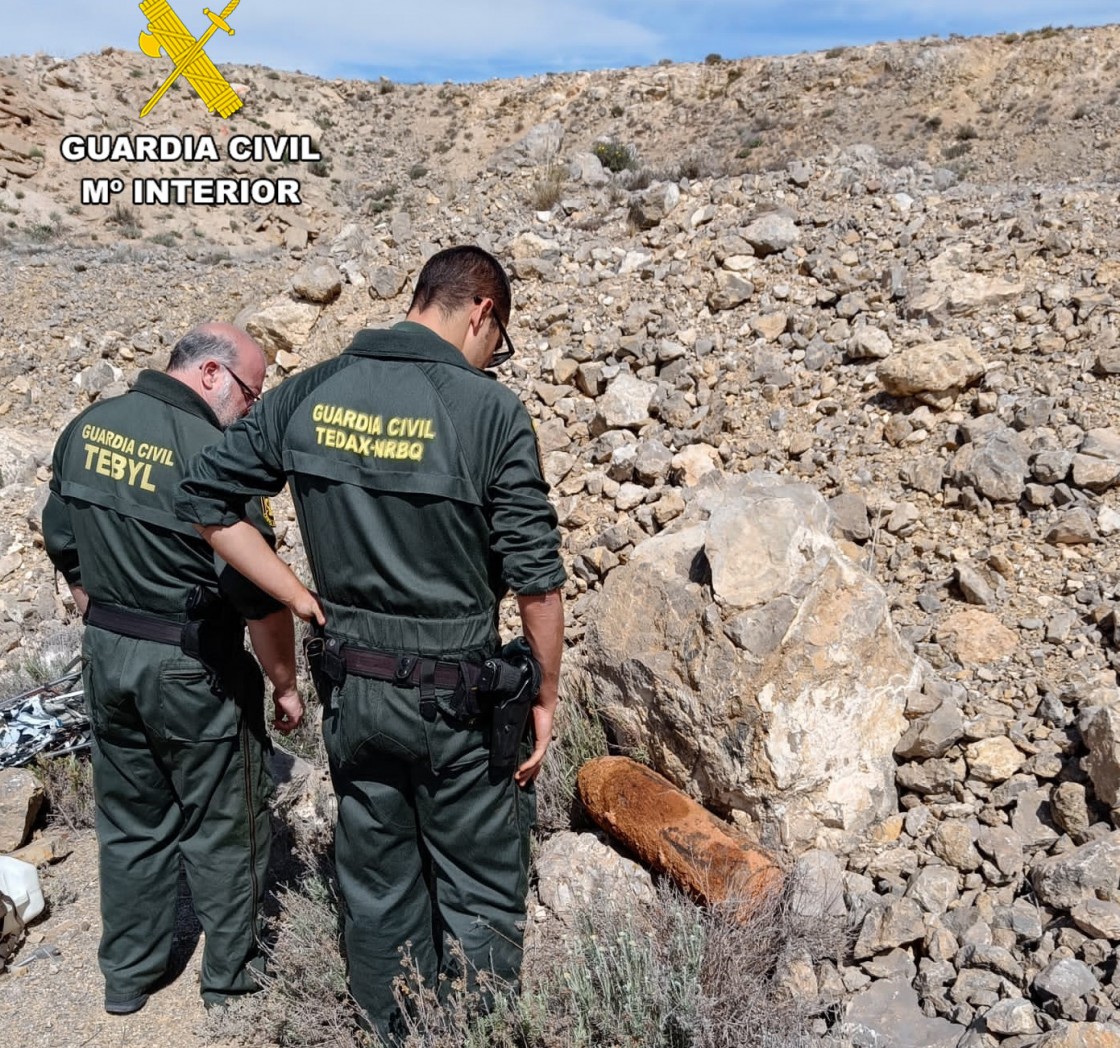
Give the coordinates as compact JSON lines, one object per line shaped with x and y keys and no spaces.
{"x":402,"y":675}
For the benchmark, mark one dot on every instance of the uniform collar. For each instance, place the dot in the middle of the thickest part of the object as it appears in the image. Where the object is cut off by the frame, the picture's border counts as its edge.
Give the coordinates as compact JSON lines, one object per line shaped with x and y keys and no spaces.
{"x":178,"y":394}
{"x":409,"y":341}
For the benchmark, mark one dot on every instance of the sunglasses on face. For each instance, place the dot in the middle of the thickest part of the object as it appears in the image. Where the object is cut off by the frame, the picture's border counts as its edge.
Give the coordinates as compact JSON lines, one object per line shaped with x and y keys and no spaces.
{"x":251,"y":396}
{"x":505,"y":354}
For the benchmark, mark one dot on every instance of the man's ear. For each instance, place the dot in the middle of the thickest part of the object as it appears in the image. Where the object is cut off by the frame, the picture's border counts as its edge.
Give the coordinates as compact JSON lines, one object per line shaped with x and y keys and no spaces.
{"x":479,"y":315}
{"x":211,"y":373}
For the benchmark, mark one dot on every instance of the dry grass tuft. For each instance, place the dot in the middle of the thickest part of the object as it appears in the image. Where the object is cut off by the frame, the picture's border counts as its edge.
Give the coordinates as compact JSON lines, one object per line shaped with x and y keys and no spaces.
{"x":547,"y":189}
{"x":68,"y":783}
{"x":460,"y":1012}
{"x":580,"y":736}
{"x":304,"y":999}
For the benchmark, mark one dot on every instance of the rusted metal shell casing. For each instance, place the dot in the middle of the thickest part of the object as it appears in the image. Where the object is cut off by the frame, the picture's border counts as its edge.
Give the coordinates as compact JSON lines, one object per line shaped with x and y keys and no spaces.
{"x":673,"y":834}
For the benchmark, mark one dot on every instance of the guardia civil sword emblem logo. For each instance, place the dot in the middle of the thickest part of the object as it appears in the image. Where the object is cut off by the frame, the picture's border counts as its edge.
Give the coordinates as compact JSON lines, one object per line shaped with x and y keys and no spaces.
{"x":166,"y":34}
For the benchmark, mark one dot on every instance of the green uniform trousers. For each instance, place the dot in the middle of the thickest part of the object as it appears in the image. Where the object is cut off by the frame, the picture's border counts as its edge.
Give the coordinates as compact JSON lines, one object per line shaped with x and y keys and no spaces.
{"x":429,"y":846}
{"x":178,"y":774}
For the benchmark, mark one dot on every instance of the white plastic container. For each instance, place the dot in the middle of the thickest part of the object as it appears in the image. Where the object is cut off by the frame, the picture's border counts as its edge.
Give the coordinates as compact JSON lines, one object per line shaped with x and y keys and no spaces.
{"x":19,"y":881}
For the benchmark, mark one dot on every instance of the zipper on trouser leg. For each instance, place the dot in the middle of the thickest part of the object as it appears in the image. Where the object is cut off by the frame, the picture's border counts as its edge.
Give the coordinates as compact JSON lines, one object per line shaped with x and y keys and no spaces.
{"x":243,"y":977}
{"x":247,"y":769}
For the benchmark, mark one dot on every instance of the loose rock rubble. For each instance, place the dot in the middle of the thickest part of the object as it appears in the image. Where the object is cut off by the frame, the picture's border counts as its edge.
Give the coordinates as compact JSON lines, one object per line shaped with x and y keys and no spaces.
{"x":887,"y":274}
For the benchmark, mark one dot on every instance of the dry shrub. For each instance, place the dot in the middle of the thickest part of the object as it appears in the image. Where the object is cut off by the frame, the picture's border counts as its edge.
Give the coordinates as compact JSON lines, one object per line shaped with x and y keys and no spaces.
{"x":45,"y":658}
{"x":304,"y":999}
{"x":547,"y":189}
{"x":747,"y":995}
{"x":68,"y":784}
{"x":481,"y":1011}
{"x":674,"y":975}
{"x":580,"y":736}
{"x":627,"y":977}
{"x":681,"y":976}
{"x":305,"y":1003}
{"x":126,"y":219}
{"x":669,"y":975}
{"x":639,"y":179}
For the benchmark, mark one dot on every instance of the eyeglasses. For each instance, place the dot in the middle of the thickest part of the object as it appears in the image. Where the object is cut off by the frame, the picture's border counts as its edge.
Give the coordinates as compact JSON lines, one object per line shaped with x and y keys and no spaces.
{"x":251,"y":396}
{"x":504,"y":355}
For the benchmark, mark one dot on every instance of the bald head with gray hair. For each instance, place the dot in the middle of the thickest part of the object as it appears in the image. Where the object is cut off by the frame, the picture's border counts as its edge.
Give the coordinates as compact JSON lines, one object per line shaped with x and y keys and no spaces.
{"x":205,"y":340}
{"x":223,"y":365}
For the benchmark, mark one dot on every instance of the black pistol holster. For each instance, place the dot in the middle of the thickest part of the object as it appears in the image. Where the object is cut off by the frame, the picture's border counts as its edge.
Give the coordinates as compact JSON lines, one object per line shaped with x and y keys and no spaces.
{"x":324,"y":660}
{"x":516,"y":679}
{"x":213,"y":633}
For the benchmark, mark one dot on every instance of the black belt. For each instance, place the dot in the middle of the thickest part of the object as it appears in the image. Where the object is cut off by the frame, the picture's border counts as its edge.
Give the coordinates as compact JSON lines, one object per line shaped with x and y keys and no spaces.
{"x":492,"y":681}
{"x":407,"y":670}
{"x":136,"y":624}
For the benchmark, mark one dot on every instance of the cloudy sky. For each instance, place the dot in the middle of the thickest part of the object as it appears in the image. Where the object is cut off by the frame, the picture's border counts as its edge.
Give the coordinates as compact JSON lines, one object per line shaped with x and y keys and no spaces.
{"x":435,"y":40}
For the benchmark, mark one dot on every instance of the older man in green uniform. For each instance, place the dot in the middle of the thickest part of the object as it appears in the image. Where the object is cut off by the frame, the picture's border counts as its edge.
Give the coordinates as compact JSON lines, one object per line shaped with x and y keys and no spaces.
{"x":420,"y":498}
{"x":175,"y":700}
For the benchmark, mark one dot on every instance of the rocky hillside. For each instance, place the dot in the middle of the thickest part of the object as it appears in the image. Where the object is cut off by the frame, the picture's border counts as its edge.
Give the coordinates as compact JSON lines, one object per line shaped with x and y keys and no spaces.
{"x":890,"y":273}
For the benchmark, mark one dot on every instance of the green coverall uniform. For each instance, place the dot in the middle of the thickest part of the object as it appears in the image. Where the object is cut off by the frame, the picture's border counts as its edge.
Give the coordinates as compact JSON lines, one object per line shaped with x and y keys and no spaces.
{"x":419,"y":493}
{"x":177,"y":751}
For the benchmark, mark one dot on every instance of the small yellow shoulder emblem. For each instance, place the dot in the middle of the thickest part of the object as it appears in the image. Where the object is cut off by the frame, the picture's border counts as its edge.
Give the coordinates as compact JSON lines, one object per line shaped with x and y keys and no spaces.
{"x":266,"y":511}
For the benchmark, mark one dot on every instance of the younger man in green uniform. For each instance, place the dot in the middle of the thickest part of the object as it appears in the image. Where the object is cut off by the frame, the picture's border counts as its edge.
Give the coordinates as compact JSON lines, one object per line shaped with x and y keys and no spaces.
{"x":177,"y":736}
{"x":420,"y":498}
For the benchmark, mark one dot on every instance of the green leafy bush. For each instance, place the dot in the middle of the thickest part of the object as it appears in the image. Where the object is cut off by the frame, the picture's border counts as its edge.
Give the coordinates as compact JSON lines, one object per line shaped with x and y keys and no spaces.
{"x":614,"y":156}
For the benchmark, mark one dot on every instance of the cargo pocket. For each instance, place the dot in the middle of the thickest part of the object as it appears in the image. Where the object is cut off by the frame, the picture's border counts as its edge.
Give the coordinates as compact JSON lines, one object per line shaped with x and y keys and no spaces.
{"x":100,"y":701}
{"x":110,"y":702}
{"x":191,"y":711}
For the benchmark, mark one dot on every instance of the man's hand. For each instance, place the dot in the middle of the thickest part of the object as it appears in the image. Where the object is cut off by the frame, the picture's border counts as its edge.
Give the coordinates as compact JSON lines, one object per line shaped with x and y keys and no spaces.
{"x":306,"y":605}
{"x":542,"y":616}
{"x":288,"y":709}
{"x":274,"y":642}
{"x":542,"y":732}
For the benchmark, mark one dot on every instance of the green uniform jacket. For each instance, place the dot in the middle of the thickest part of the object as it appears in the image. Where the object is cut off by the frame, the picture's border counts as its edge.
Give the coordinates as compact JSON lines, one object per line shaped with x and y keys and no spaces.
{"x":461,"y":513}
{"x":109,"y":524}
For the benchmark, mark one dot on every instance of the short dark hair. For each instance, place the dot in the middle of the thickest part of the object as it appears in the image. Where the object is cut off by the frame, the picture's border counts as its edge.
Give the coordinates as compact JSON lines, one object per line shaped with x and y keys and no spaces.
{"x":201,"y":343}
{"x":458,"y":275}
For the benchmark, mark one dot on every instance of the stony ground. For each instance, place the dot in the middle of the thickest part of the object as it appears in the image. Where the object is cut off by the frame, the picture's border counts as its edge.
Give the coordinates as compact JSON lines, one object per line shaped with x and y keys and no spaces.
{"x":889,"y":272}
{"x":57,"y":1001}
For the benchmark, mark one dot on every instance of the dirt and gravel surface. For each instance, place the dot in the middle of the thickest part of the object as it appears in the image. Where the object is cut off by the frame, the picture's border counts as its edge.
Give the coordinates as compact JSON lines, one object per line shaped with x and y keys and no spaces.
{"x":56,"y":1001}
